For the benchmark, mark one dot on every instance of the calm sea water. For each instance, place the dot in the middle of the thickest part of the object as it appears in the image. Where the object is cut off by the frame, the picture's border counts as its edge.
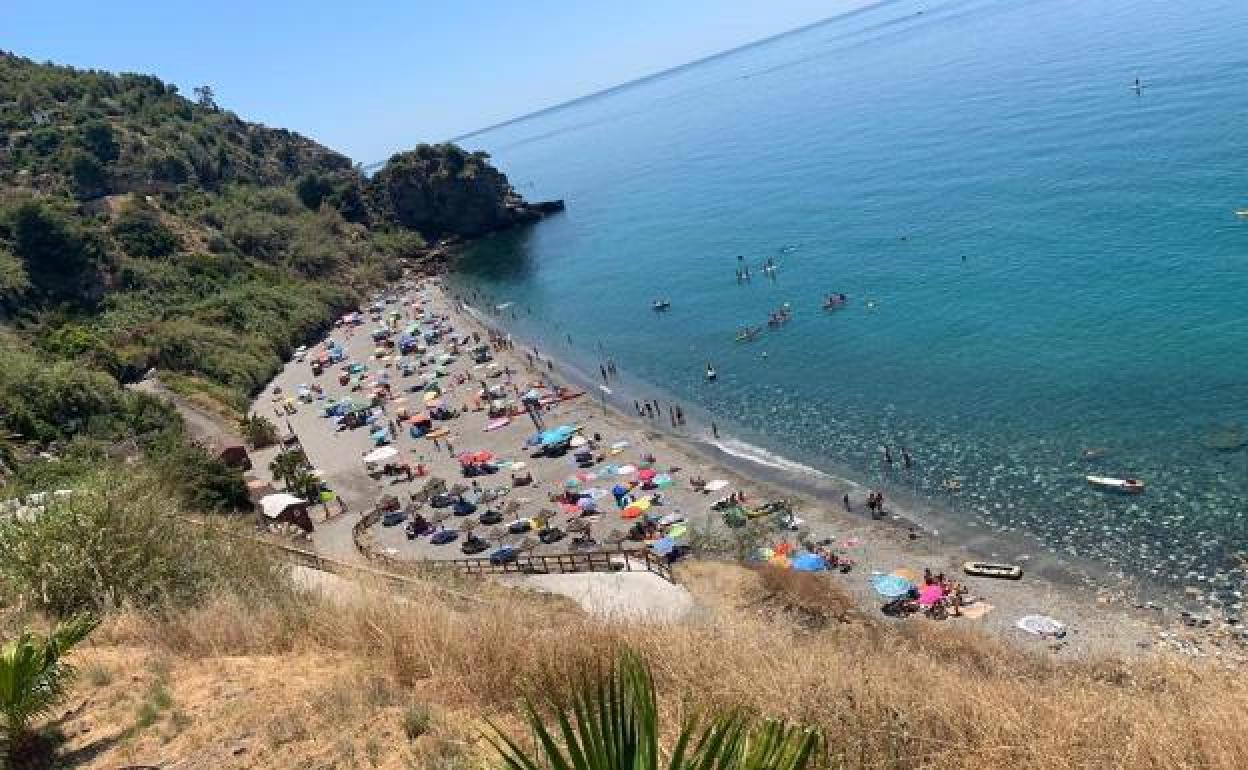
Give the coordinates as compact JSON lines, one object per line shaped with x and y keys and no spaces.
{"x":1054,"y":260}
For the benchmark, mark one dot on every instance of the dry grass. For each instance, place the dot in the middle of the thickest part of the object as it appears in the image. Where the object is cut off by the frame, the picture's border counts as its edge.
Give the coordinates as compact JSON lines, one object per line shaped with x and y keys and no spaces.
{"x":388,"y":683}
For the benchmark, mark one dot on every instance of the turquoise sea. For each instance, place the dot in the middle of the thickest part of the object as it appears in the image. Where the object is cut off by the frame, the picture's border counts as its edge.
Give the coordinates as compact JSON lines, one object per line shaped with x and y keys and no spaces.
{"x":1040,"y":260}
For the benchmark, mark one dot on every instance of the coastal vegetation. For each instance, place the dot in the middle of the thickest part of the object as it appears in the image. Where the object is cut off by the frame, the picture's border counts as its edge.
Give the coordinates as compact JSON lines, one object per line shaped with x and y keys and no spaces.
{"x":140,"y":229}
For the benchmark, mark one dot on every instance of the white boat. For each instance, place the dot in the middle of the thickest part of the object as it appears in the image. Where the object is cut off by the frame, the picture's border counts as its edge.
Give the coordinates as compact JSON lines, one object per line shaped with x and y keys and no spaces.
{"x":1133,"y":486}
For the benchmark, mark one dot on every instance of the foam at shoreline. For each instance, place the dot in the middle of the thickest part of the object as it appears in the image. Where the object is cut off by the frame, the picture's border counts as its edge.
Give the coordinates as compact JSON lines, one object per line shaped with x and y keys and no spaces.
{"x":758,"y":455}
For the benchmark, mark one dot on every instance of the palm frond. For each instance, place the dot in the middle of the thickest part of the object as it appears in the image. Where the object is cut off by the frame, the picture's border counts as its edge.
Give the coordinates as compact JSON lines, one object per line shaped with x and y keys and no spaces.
{"x":610,"y":721}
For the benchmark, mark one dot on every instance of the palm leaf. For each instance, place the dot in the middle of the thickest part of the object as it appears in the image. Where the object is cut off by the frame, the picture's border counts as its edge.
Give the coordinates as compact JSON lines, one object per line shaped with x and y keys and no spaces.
{"x":610,"y":721}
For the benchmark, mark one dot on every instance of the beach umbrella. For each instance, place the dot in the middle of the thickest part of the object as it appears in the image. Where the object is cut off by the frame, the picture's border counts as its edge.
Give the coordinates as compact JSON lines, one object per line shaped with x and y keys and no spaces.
{"x":631,"y":512}
{"x":672,"y":518}
{"x":646,"y":474}
{"x":586,"y":504}
{"x":891,"y":586}
{"x":596,"y":493}
{"x":680,"y":530}
{"x":572,"y":483}
{"x":930,"y":594}
{"x":626,"y":470}
{"x":619,"y":490}
{"x":714,"y":485}
{"x":664,"y":481}
{"x":808,"y":562}
{"x":578,"y":441}
{"x":664,"y":546}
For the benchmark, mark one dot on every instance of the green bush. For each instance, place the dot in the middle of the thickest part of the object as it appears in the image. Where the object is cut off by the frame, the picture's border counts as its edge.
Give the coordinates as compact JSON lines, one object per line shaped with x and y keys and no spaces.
{"x":141,"y":233}
{"x":118,"y":540}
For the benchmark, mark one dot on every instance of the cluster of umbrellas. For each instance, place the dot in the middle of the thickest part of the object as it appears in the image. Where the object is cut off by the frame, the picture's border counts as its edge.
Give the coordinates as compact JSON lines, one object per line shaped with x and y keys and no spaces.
{"x":904,"y":582}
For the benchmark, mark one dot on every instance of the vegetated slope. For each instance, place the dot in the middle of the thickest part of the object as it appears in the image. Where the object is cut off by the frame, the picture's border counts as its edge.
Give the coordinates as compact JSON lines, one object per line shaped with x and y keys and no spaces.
{"x":142,"y":229}
{"x":394,"y":683}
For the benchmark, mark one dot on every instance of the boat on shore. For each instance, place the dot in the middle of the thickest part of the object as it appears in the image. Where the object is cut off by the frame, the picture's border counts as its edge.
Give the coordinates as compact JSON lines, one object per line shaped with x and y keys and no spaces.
{"x":1130,"y":486}
{"x":989,"y":569}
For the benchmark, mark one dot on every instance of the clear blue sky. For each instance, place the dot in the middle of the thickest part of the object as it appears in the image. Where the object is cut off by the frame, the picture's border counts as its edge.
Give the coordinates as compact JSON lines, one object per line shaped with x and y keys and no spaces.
{"x":371,"y":78}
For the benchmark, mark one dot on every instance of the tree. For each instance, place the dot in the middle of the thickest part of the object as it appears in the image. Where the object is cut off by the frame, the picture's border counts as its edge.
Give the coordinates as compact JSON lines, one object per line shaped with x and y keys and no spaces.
{"x":88,"y":175}
{"x":287,"y":465}
{"x":305,"y":484}
{"x":58,"y":255}
{"x":34,"y":678}
{"x":258,"y":430}
{"x":205,"y":96}
{"x":97,"y":137}
{"x":611,"y":722}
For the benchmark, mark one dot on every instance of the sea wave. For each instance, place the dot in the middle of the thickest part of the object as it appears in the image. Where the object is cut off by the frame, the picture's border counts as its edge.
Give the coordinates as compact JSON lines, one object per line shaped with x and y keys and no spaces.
{"x":759,"y":456}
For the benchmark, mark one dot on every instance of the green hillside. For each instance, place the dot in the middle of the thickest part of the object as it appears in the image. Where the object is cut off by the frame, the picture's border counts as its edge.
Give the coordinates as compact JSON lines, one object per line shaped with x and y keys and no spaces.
{"x":140,"y":228}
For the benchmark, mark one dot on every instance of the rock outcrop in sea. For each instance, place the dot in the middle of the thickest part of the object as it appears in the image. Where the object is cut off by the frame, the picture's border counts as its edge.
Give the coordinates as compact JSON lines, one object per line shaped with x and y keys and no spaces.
{"x":443,"y":190}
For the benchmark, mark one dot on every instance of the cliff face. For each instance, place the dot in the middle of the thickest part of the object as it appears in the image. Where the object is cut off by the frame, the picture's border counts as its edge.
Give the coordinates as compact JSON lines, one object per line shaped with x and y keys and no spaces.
{"x":442,"y":190}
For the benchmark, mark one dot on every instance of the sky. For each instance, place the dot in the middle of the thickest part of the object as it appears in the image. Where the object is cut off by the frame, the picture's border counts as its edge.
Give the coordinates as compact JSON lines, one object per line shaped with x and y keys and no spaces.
{"x":373,"y":78}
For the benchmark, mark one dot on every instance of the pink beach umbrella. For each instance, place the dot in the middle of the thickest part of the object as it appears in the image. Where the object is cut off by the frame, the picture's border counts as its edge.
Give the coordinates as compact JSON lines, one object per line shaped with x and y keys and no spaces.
{"x":930,"y":594}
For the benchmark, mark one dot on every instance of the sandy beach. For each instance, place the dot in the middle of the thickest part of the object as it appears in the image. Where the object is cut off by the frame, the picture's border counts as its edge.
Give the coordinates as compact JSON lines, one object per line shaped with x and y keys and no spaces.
{"x":1098,"y":622}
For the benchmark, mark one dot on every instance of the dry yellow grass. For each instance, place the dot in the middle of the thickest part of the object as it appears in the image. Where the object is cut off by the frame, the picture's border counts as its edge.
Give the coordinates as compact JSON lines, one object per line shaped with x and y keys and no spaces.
{"x":302,"y":683}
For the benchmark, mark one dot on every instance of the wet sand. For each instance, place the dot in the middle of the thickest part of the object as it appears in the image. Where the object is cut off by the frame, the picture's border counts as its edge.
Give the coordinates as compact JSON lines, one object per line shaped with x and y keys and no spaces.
{"x":1099,"y":622}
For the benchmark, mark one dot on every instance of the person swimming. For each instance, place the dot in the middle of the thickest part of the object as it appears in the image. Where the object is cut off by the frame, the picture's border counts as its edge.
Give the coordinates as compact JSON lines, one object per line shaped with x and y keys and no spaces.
{"x":710,"y":372}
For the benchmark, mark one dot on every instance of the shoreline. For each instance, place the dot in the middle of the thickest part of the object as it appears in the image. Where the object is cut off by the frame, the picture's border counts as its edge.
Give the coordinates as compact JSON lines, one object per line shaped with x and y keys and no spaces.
{"x":1130,"y":633}
{"x":1100,"y":625}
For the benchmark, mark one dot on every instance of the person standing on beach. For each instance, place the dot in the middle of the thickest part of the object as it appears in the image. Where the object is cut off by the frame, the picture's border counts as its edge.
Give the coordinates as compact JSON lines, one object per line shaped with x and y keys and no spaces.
{"x":888,"y":456}
{"x":714,"y":429}
{"x":846,"y":501}
{"x":637,"y":406}
{"x":680,"y":415}
{"x":611,"y":368}
{"x":905,"y":458}
{"x":603,"y":369}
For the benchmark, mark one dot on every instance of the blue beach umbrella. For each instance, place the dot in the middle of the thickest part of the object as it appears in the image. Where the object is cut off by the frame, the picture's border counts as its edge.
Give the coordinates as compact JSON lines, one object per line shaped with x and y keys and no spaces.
{"x":891,"y":586}
{"x":808,"y":562}
{"x":664,"y":547}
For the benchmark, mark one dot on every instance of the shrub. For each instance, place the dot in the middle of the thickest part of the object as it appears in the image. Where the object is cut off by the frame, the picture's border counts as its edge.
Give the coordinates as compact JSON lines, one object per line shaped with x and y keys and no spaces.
{"x":258,"y":431}
{"x":417,"y":720}
{"x":119,"y":539}
{"x":141,"y":232}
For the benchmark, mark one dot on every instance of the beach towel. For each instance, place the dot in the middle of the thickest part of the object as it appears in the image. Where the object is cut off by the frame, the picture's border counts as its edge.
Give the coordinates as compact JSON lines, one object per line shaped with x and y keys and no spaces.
{"x":976,"y":610}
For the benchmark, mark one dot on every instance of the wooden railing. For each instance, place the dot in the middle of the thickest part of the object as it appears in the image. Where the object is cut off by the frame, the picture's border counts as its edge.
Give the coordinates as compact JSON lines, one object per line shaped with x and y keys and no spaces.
{"x":562,"y":563}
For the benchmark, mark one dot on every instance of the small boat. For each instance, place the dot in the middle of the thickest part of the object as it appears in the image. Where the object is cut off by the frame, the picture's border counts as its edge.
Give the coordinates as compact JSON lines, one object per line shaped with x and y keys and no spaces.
{"x":988,"y":569}
{"x":1133,"y":486}
{"x":710,"y":373}
{"x":748,"y":335}
{"x":661,"y":304}
{"x":1242,"y":213}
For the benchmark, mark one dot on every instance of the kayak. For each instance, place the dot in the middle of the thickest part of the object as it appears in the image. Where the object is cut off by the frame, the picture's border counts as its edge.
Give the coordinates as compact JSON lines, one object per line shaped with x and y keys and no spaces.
{"x":1133,"y":486}
{"x":988,"y":569}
